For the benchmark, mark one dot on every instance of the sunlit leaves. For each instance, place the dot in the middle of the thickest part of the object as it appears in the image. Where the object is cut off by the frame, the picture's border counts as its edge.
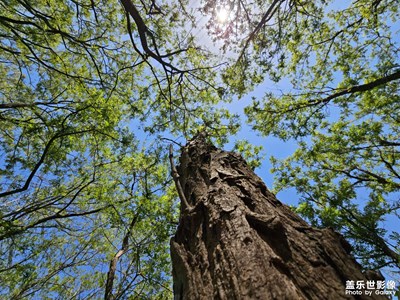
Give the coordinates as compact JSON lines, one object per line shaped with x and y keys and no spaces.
{"x":252,"y":154}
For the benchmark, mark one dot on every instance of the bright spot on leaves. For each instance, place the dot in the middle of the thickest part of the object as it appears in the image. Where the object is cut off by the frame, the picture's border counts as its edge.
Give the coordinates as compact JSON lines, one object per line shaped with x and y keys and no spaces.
{"x":222,"y":15}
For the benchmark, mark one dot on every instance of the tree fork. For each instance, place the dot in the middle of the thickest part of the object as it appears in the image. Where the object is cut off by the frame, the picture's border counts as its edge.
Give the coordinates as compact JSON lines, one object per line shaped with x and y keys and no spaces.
{"x":240,"y":242}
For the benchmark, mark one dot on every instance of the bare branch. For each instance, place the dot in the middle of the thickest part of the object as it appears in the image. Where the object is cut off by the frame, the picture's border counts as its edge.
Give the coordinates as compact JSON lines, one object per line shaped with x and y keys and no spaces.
{"x":113,"y":263}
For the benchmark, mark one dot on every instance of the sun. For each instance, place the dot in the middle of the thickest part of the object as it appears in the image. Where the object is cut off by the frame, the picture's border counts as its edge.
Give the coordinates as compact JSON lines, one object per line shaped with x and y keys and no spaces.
{"x":222,"y":15}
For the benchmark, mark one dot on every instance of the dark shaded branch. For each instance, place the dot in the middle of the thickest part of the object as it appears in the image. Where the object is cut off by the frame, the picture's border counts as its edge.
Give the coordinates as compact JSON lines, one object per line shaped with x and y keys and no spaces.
{"x":351,"y":90}
{"x":370,"y":177}
{"x":143,"y":32}
{"x":56,"y":216}
{"x":21,"y":105}
{"x":39,"y":163}
{"x":267,"y":16}
{"x":359,"y":88}
{"x":389,"y":165}
{"x":38,"y":205}
{"x":388,"y":143}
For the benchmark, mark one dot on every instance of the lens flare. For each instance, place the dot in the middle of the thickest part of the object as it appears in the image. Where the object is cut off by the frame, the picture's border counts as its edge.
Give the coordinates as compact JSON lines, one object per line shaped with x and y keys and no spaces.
{"x":222,"y":15}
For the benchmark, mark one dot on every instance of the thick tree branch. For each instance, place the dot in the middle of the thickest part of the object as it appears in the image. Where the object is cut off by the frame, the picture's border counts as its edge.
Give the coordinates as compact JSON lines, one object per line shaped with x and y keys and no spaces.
{"x":143,"y":32}
{"x":22,"y":105}
{"x":359,"y":88}
{"x":351,"y":90}
{"x":56,"y":216}
{"x":267,"y":16}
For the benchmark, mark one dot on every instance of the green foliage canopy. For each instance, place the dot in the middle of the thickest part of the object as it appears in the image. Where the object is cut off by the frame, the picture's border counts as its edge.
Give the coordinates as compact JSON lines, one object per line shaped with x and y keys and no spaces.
{"x":90,"y":93}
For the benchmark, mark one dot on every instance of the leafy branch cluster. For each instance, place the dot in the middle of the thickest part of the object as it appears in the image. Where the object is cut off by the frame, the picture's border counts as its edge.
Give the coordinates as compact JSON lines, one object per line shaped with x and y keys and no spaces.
{"x":91,"y":93}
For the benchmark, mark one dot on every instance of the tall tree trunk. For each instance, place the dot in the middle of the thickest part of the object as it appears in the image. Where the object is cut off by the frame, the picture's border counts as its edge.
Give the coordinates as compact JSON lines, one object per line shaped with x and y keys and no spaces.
{"x":237,"y":241}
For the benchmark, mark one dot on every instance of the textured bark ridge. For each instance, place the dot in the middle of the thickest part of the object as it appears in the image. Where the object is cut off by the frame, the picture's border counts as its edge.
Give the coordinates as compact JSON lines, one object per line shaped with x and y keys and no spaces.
{"x":240,"y":242}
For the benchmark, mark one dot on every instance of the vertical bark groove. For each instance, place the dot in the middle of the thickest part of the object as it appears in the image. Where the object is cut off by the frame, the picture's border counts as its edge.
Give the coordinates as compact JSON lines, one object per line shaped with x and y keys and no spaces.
{"x":240,"y":242}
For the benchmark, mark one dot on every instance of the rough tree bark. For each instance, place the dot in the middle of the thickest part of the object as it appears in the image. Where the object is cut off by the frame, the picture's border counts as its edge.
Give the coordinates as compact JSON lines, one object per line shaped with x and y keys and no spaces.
{"x":239,"y":242}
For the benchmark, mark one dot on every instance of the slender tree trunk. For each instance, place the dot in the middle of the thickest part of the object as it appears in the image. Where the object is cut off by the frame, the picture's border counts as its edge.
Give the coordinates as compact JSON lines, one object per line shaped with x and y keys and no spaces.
{"x":108,"y":293}
{"x":237,"y":241}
